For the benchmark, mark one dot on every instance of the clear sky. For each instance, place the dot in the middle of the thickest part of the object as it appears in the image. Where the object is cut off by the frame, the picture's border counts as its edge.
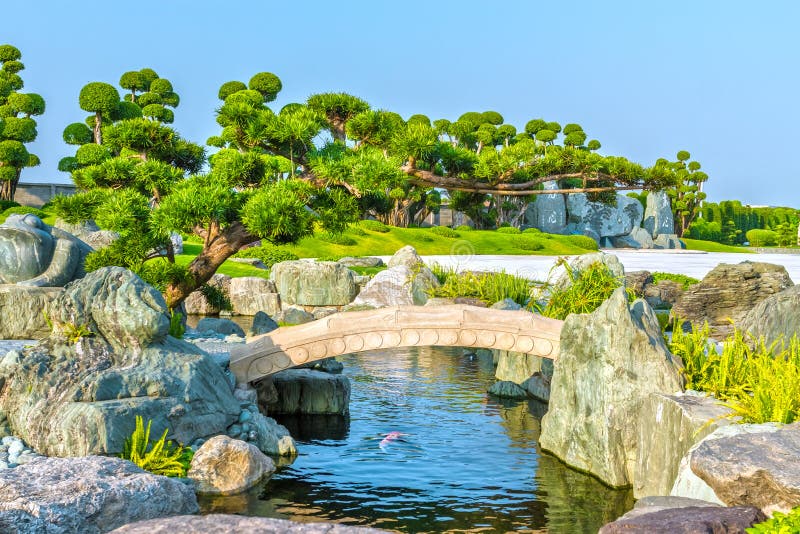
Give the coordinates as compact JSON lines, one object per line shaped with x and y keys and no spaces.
{"x":719,"y":78}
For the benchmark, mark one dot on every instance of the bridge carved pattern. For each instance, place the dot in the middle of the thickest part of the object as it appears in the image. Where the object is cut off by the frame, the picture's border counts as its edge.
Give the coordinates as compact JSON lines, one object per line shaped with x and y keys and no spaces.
{"x":405,"y":326}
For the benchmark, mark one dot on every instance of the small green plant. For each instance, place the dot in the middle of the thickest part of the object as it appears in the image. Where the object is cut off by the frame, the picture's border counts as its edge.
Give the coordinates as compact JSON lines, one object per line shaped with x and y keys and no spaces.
{"x":464,"y":228}
{"x":531,"y":231}
{"x":160,"y":457}
{"x":176,"y":327}
{"x":530,"y":244}
{"x":444,"y":231}
{"x":337,"y":239}
{"x":779,"y":523}
{"x":267,"y":254}
{"x":682,"y":279}
{"x":23,"y":210}
{"x":374,"y":226}
{"x":488,"y":287}
{"x":508,"y":230}
{"x":74,"y":332}
{"x":588,"y":289}
{"x":215,"y":297}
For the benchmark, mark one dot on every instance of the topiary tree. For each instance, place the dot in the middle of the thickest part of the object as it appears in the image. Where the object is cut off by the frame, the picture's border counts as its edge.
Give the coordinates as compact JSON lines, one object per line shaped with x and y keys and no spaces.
{"x":17,"y":127}
{"x":101,"y":99}
{"x":685,"y":192}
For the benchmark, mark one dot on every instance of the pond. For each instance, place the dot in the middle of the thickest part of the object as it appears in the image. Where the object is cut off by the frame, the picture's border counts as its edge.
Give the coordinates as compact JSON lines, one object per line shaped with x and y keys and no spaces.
{"x":465,"y":462}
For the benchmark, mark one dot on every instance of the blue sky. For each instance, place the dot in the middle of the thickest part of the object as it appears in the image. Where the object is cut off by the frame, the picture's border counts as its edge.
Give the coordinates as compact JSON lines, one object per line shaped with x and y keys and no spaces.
{"x":718,"y":78}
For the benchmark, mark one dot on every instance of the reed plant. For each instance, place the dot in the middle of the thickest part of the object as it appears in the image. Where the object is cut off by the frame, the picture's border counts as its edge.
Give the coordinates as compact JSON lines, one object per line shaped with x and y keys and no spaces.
{"x":488,"y":287}
{"x":587,"y":290}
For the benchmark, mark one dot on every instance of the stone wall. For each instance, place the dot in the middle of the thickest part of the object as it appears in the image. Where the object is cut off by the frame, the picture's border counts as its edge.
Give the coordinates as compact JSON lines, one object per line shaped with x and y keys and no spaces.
{"x":36,"y":195}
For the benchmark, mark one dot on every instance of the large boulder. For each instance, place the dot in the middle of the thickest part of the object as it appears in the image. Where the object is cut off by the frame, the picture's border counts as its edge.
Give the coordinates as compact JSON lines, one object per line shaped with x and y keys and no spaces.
{"x":776,"y":318}
{"x":225,"y":466}
{"x":658,"y":218}
{"x":398,"y":286}
{"x":687,"y":520}
{"x":610,"y":361}
{"x":668,"y":241}
{"x":669,"y":426}
{"x":604,"y":220}
{"x":406,"y":256}
{"x":86,"y":495}
{"x":755,"y":469}
{"x":728,"y":292}
{"x":235,"y":524}
{"x":215,"y":325}
{"x":314,"y":283}
{"x":361,"y":261}
{"x":251,"y":294}
{"x":24,"y":311}
{"x":516,"y":367}
{"x":197,"y":303}
{"x":109,"y":359}
{"x":262,"y":324}
{"x":637,"y":239}
{"x":307,"y":391}
{"x":34,"y":254}
{"x":272,"y":438}
{"x":549,"y":211}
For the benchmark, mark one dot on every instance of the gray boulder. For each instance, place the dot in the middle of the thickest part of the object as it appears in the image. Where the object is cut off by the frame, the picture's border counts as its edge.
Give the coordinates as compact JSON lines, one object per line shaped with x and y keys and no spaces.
{"x":516,"y":367}
{"x":108,"y":360}
{"x":406,"y":256}
{"x":506,"y":304}
{"x":252,"y":294}
{"x":776,"y":318}
{"x":363,"y":261}
{"x":225,"y":466}
{"x":754,"y":469}
{"x":294,"y":315}
{"x":664,"y":294}
{"x":603,"y":219}
{"x":637,"y":239}
{"x":262,"y":324}
{"x":272,"y":438}
{"x":235,"y":524}
{"x":728,"y":292}
{"x":314,"y":283}
{"x":668,"y":241}
{"x":24,"y":311}
{"x":86,"y":495}
{"x":538,"y":386}
{"x":610,"y":361}
{"x":398,"y":286}
{"x":306,"y":391}
{"x":669,"y":426}
{"x":34,"y":254}
{"x":687,"y":520}
{"x":658,"y":217}
{"x":225,"y":327}
{"x":548,"y":212}
{"x":197,"y":303}
{"x":508,"y":390}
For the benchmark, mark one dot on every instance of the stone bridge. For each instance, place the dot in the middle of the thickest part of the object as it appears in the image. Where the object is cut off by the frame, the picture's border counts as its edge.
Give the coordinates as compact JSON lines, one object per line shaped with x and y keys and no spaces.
{"x":385,"y":328}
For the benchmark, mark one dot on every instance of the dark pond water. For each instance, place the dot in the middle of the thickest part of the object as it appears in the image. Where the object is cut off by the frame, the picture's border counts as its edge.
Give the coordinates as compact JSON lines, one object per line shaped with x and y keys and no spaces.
{"x":465,"y":462}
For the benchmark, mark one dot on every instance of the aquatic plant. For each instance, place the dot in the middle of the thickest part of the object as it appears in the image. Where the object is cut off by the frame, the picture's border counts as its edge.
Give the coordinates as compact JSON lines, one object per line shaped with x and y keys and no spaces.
{"x":160,"y":457}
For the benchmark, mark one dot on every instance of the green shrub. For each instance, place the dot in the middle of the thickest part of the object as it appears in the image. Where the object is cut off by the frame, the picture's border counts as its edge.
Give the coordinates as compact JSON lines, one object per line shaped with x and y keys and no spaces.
{"x":23,"y":210}
{"x":530,"y":244}
{"x":216,"y":297}
{"x":759,"y":383}
{"x":374,"y":226}
{"x":582,"y":241}
{"x":356,"y":230}
{"x":444,"y":231}
{"x":508,"y":230}
{"x":6,"y":204}
{"x":488,"y":287}
{"x":464,"y":228}
{"x":589,"y":289}
{"x":762,"y":238}
{"x":780,"y":523}
{"x":160,"y":457}
{"x":268,"y":254}
{"x":531,"y":231}
{"x":682,"y":279}
{"x":337,"y":239}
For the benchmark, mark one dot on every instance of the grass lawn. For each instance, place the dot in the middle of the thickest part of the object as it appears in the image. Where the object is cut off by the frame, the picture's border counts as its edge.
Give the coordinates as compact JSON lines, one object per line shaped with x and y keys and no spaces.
{"x":712,"y":246}
{"x":231,"y":268}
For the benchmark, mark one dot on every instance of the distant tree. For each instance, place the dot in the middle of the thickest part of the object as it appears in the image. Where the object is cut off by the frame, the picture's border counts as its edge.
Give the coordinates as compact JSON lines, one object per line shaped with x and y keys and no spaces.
{"x":16,"y":125}
{"x":685,"y":192}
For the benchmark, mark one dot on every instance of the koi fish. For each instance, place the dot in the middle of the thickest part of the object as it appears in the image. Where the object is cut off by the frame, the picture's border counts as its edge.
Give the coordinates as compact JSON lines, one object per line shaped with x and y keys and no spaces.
{"x":390,"y":437}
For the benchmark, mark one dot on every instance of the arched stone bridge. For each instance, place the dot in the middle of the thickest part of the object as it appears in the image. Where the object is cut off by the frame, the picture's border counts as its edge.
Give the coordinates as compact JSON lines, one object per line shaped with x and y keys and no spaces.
{"x":407,"y":326}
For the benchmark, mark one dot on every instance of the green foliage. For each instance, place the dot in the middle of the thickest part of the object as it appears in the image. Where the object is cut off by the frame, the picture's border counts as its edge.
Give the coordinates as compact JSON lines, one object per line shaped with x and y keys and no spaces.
{"x":215,"y":297}
{"x":682,"y":279}
{"x":267,"y":84}
{"x":98,"y":97}
{"x":488,"y":287}
{"x":509,"y":230}
{"x":531,"y":231}
{"x":5,"y":204}
{"x":74,"y":332}
{"x":588,"y":289}
{"x":92,"y":154}
{"x":176,"y":327}
{"x":464,"y":228}
{"x":337,"y":239}
{"x":779,"y":523}
{"x":80,"y":207}
{"x":269,"y":255}
{"x":228,"y":88}
{"x":374,"y":226}
{"x":160,"y":457}
{"x":530,"y":244}
{"x":23,"y":210}
{"x":582,"y":241}
{"x":758,"y":382}
{"x":77,"y":133}
{"x":444,"y":231}
{"x":762,"y":238}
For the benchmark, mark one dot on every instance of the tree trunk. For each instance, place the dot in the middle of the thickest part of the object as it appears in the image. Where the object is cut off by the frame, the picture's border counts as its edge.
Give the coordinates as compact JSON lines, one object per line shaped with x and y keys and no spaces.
{"x":9,"y":187}
{"x":220,"y":245}
{"x":98,"y":134}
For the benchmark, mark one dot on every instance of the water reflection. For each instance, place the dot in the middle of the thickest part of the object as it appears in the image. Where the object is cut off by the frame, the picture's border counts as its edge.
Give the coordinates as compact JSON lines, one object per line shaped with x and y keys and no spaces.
{"x":467,"y":463}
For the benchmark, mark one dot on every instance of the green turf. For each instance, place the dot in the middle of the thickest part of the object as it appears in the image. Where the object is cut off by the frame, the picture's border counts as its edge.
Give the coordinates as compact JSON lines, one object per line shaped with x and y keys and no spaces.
{"x":231,"y":268}
{"x":712,"y":246}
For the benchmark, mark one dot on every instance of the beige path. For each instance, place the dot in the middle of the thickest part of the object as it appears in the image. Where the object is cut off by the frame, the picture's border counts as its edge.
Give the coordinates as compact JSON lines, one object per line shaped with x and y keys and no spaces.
{"x":407,"y":326}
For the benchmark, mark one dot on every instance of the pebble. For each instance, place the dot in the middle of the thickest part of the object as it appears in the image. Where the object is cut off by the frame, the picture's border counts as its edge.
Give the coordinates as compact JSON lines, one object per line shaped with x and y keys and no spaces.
{"x":245,"y":416}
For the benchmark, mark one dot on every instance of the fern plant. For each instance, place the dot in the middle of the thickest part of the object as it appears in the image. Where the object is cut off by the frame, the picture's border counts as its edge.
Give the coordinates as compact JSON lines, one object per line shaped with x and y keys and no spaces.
{"x":780,"y":523}
{"x":160,"y":457}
